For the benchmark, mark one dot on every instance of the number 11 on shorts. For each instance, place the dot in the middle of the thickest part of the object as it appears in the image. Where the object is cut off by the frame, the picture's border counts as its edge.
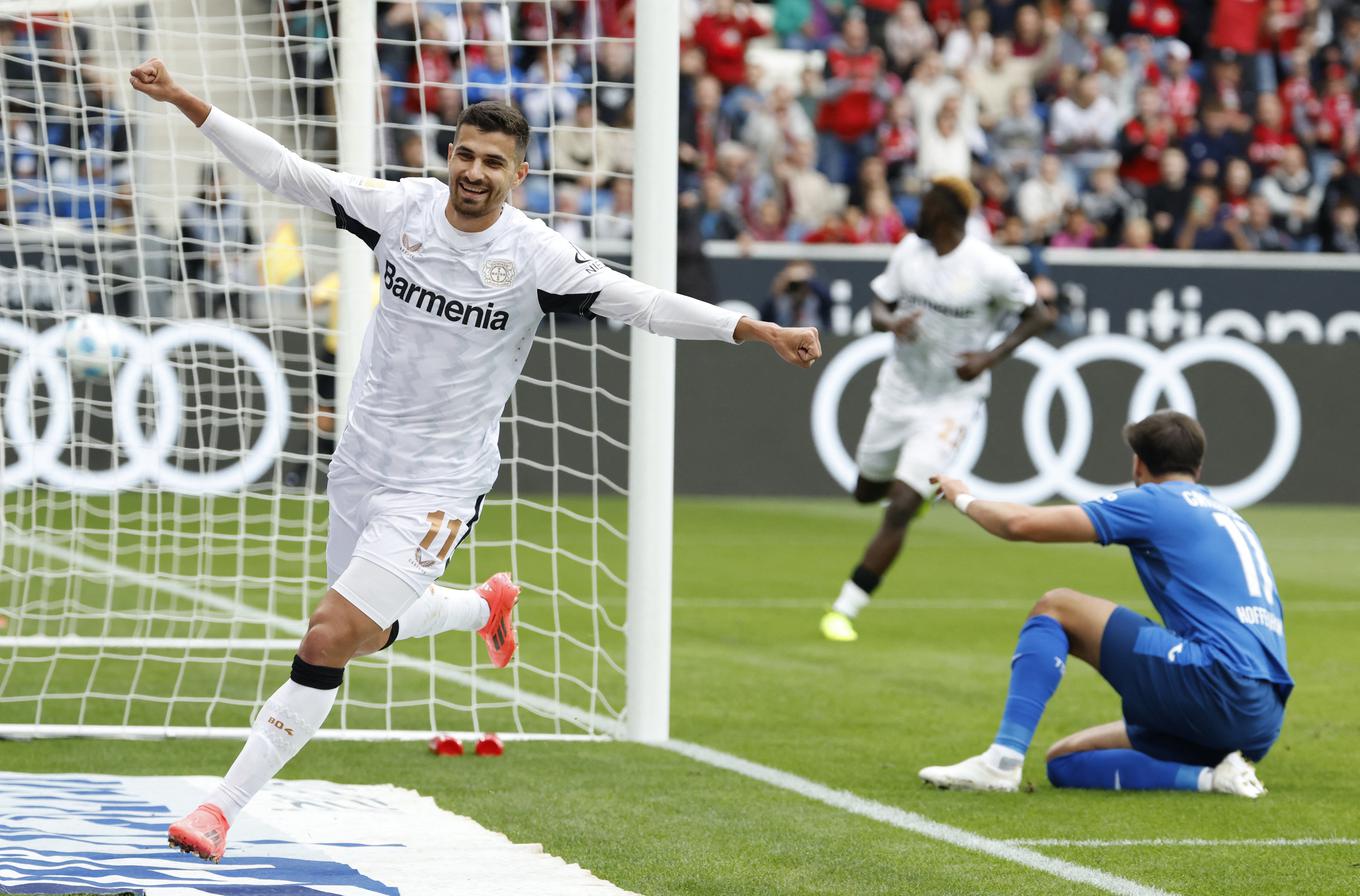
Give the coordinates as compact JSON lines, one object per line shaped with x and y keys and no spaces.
{"x":436,"y":518}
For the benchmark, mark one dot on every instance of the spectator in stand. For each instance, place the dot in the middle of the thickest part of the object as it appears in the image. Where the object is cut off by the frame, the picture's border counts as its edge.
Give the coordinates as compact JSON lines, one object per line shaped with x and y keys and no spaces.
{"x":747,"y":184}
{"x":996,"y":203}
{"x":745,"y":99}
{"x":491,"y":79}
{"x":718,"y":220}
{"x":215,"y":236}
{"x":882,"y":222}
{"x":575,"y":148}
{"x":445,"y":124}
{"x":797,"y":298}
{"x":1078,"y":44}
{"x":1337,"y":122}
{"x":1180,"y":92}
{"x":1137,"y":234}
{"x":1294,"y":197}
{"x":769,"y":223}
{"x":1018,"y":139}
{"x":550,"y":87}
{"x":794,"y":26}
{"x":1084,"y":128}
{"x":1076,"y":231}
{"x":21,"y":155}
{"x":873,"y":175}
{"x":410,"y":159}
{"x":1302,"y":108}
{"x":434,"y":65}
{"x":1035,"y":42}
{"x":1259,"y":233}
{"x":1144,"y":139}
{"x":1270,"y":135}
{"x":1344,"y":235}
{"x":994,"y":80}
{"x":947,"y":142}
{"x":908,"y":37}
{"x":775,"y":125}
{"x":812,"y":197}
{"x":1106,"y":205}
{"x":855,"y":99}
{"x":308,"y":29}
{"x":1226,"y":89}
{"x":723,"y":33}
{"x":614,"y":221}
{"x":1238,"y":27}
{"x":1042,"y":198}
{"x":969,"y":45}
{"x":1209,"y":224}
{"x":898,"y":141}
{"x":613,"y":80}
{"x":1237,"y":187}
{"x":876,"y":15}
{"x":1209,"y":148}
{"x":839,"y":227}
{"x":702,"y":132}
{"x":1168,"y":199}
{"x":1119,"y":82}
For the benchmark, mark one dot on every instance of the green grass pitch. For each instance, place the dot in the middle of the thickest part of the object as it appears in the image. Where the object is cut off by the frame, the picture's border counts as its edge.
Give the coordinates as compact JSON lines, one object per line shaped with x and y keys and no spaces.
{"x":925,"y":683}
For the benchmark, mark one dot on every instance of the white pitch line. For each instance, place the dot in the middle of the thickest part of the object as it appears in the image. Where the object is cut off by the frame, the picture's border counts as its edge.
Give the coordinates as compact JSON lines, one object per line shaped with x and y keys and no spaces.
{"x":1188,"y":841}
{"x":911,"y":821}
{"x":935,"y":603}
{"x":441,"y":670}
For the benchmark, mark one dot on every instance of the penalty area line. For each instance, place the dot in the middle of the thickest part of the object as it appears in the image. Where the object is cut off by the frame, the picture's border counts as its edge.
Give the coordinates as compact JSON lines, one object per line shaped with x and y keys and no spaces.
{"x":1187,"y":841}
{"x":911,"y":821}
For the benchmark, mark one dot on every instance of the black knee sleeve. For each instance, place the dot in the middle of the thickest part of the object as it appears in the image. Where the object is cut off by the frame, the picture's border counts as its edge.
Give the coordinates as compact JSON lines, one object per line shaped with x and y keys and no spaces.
{"x":322,"y":678}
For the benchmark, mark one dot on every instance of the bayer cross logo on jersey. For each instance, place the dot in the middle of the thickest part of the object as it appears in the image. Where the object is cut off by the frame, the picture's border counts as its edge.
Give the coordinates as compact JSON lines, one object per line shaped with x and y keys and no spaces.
{"x":498,"y":272}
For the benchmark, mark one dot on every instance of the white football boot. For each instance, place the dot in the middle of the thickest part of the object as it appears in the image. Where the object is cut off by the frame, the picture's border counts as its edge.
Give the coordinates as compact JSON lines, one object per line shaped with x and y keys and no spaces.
{"x":975,"y":773}
{"x":1237,"y":776}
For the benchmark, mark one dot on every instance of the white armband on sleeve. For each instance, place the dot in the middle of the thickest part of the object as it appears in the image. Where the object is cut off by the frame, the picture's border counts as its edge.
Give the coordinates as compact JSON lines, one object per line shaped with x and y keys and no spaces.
{"x":665,"y":313}
{"x":267,"y":162}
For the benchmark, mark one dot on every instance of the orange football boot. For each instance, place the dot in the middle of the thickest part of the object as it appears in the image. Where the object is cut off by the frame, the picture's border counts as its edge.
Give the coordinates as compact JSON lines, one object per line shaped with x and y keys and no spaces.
{"x":202,"y":832}
{"x":499,"y":632}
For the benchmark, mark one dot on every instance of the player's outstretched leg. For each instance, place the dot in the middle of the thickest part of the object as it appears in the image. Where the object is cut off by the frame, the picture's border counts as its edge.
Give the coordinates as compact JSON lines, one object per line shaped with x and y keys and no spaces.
{"x":1061,"y":621}
{"x":903,"y":503}
{"x":1131,"y":770}
{"x":485,"y":609}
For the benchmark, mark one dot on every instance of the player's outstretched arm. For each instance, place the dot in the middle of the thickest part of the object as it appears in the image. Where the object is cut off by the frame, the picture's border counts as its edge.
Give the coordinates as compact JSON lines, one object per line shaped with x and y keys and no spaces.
{"x":259,"y":156}
{"x":681,"y":317}
{"x":1018,"y":522}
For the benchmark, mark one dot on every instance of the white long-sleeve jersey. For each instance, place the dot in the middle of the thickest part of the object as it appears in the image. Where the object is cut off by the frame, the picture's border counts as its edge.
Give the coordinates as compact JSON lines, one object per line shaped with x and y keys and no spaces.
{"x":456,"y":314}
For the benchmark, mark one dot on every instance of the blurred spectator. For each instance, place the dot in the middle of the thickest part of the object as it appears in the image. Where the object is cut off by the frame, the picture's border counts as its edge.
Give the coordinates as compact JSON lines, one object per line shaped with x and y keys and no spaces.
{"x":1270,"y":136}
{"x":1168,"y":199}
{"x":1344,"y":233}
{"x":1076,"y":231}
{"x":568,"y":213}
{"x":1209,"y":224}
{"x":882,"y":222}
{"x":702,"y":132}
{"x":410,"y":160}
{"x":138,"y":261}
{"x":1180,"y":92}
{"x":1226,"y":90}
{"x":1259,"y":233}
{"x":614,"y":220}
{"x":839,"y":227}
{"x":1078,"y":44}
{"x":1042,"y":198}
{"x":812,"y":196}
{"x":969,"y":45}
{"x":947,"y":142}
{"x":995,"y":79}
{"x":723,"y":33}
{"x":1106,"y":205}
{"x":742,"y":100}
{"x":1119,"y":82}
{"x":855,"y":98}
{"x":1035,"y":41}
{"x":898,"y":141}
{"x":908,"y":37}
{"x":776,"y":125}
{"x":491,"y":79}
{"x":1292,"y":194}
{"x":768,"y":224}
{"x":1084,"y":127}
{"x":718,"y":220}
{"x":1137,"y":234}
{"x":797,"y":298}
{"x":1209,"y":148}
{"x":613,"y":79}
{"x":1144,"y":139}
{"x":1237,"y":187}
{"x":1018,"y":138}
{"x":996,"y":203}
{"x":308,"y":31}
{"x":215,"y":235}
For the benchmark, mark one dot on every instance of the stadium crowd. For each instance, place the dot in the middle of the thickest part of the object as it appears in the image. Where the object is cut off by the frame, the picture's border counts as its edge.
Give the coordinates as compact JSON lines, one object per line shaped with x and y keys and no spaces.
{"x":1204,"y":124}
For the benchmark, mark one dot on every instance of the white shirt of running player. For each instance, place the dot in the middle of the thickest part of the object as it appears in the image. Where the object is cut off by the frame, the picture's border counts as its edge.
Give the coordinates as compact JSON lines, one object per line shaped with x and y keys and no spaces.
{"x":456,"y":314}
{"x":964,"y":297}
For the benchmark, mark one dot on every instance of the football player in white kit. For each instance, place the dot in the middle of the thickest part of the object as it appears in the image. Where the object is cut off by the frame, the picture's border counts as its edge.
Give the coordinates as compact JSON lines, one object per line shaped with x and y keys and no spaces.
{"x":943,"y":296}
{"x":466,"y":279}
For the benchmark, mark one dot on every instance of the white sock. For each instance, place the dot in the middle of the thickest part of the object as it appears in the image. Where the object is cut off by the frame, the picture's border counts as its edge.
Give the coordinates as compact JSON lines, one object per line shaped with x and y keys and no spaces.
{"x":1206,"y":780}
{"x":1004,"y":758}
{"x":285,"y":722}
{"x":853,"y":599}
{"x":442,"y":609}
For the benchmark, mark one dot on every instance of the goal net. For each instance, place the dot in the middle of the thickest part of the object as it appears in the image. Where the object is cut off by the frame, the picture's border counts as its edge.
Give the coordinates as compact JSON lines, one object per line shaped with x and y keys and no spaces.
{"x":168,"y":339}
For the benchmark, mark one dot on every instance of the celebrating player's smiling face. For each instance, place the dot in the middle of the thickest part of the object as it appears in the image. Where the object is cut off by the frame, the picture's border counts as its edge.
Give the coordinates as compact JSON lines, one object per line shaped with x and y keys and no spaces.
{"x":483,"y":169}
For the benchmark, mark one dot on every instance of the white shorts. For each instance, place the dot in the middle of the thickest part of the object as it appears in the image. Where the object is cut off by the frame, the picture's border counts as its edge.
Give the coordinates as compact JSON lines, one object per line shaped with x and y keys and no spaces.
{"x":386,"y":547}
{"x":914,"y":442}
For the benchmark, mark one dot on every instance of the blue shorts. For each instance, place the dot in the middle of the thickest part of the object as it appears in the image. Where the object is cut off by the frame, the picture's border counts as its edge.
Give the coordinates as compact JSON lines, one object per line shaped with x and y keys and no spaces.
{"x":1180,"y":703}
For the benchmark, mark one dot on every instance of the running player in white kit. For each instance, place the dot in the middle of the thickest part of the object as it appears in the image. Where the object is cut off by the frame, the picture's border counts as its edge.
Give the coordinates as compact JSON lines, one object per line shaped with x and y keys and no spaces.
{"x":943,"y":296}
{"x":466,"y":279}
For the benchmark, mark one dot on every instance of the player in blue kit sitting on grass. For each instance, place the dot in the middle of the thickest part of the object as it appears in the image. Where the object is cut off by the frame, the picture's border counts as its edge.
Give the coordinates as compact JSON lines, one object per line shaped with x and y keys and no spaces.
{"x":1203,"y":694}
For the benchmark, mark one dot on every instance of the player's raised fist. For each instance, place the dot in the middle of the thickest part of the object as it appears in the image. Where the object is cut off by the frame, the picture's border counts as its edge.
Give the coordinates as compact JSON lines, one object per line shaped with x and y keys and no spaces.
{"x":799,"y":345}
{"x":153,"y":79}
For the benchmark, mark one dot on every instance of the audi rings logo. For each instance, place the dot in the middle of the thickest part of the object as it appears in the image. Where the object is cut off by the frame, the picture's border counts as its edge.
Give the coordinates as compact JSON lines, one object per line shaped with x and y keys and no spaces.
{"x":1163,"y":373}
{"x":147,"y":457}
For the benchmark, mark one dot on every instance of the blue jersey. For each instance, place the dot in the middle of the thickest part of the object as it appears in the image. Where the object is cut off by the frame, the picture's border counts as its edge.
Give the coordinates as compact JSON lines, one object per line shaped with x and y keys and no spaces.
{"x":1204,"y":570}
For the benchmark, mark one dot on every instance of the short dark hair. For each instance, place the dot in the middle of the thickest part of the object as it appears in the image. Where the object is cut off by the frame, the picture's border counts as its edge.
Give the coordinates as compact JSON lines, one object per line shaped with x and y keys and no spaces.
{"x":1167,"y":442}
{"x":946,"y":205}
{"x":497,"y":118}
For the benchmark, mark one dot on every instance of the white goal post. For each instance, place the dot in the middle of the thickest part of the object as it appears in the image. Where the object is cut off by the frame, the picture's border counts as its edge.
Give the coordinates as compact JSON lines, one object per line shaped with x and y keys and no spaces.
{"x":159,"y":548}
